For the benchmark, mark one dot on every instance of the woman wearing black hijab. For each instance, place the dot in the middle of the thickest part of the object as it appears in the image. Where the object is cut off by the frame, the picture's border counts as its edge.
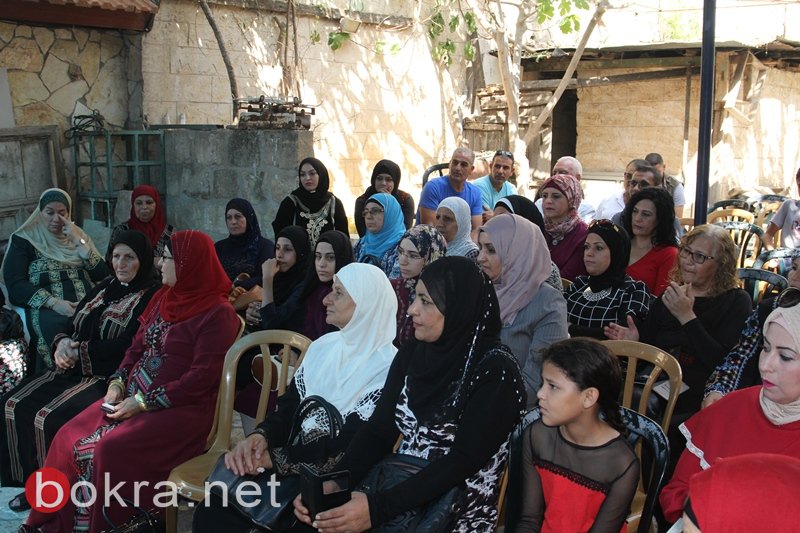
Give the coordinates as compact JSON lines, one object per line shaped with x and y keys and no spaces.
{"x":245,"y":249}
{"x":516,"y":204}
{"x":385,"y":178}
{"x":311,"y":206}
{"x":453,"y":394}
{"x":607,"y":294}
{"x":333,"y":251}
{"x":283,"y":277}
{"x":90,"y":349}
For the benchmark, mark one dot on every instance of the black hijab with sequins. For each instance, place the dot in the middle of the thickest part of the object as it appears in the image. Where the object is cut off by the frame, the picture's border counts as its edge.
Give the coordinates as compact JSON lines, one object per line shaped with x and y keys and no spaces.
{"x":440,"y":371}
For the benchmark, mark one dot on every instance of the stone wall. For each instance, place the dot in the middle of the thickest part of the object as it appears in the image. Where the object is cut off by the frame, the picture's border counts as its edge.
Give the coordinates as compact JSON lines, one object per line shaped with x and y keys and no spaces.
{"x":617,"y":123}
{"x":56,"y":73}
{"x":208,"y":168}
{"x":371,"y":104}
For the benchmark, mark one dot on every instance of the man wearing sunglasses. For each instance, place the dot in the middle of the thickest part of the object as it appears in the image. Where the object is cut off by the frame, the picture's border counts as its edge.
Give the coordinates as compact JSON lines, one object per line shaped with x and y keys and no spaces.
{"x":454,"y":184}
{"x":495,"y":185}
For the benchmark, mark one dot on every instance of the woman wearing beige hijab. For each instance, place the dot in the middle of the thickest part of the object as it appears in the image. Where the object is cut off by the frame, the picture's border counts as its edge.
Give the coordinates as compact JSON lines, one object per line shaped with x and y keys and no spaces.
{"x":514,"y":255}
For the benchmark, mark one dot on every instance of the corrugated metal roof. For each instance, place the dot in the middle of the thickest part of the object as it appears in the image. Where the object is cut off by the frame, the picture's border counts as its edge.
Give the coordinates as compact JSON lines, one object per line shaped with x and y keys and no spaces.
{"x":130,"y":6}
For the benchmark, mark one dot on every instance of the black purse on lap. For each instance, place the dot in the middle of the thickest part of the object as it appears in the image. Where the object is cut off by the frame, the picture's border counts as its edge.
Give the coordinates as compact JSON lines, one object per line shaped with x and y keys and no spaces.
{"x":265,"y":515}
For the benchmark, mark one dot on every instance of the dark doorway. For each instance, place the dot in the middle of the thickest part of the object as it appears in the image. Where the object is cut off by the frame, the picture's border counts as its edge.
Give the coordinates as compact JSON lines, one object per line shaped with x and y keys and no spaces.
{"x":565,"y":126}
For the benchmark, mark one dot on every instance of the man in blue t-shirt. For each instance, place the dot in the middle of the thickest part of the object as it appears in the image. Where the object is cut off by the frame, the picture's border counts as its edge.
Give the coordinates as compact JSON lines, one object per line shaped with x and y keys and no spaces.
{"x":454,"y":184}
{"x":495,"y":185}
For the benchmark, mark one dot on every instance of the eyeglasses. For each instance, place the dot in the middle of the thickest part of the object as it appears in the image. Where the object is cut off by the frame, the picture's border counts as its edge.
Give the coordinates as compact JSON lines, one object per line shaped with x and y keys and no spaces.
{"x":375,"y":211}
{"x":604,"y":223}
{"x":788,"y":297}
{"x":411,"y":256}
{"x":167,"y":257}
{"x":697,"y":257}
{"x":642,"y":184}
{"x":504,"y":153}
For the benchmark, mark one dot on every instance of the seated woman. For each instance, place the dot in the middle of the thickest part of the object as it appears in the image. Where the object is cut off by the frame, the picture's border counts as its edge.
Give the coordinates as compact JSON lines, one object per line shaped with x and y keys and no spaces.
{"x":50,"y":265}
{"x":310,"y":205}
{"x":333,"y":252}
{"x":164,"y":392}
{"x":347,"y":368}
{"x":385,"y":178}
{"x":90,"y":349}
{"x":606,"y":295}
{"x":454,"y":222}
{"x":649,"y":219}
{"x":565,"y":232}
{"x":384,"y":221}
{"x":740,"y":368}
{"x":515,"y":257}
{"x":764,"y":418}
{"x":579,"y":472}
{"x":519,"y":205}
{"x":699,"y":316}
{"x":419,"y":247}
{"x":283,"y":276}
{"x":453,"y":395}
{"x":245,"y":249}
{"x":13,"y":348}
{"x":147,"y":216}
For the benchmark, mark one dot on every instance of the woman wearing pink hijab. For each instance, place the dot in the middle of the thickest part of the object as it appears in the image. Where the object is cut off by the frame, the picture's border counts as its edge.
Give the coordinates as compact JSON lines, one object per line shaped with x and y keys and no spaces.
{"x":514,"y":256}
{"x":564,"y":229}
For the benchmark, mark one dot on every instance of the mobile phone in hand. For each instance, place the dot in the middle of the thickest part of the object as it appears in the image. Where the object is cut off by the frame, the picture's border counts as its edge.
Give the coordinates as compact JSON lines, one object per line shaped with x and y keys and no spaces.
{"x":107,"y":407}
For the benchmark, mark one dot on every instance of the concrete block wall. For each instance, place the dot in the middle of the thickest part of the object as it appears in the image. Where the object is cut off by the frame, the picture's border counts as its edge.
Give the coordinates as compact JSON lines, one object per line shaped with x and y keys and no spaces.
{"x":206,"y":169}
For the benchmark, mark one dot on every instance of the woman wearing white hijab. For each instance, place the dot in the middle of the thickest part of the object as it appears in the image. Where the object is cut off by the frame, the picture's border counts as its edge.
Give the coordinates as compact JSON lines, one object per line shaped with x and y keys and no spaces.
{"x":347,"y":368}
{"x":50,"y":265}
{"x":454,"y":222}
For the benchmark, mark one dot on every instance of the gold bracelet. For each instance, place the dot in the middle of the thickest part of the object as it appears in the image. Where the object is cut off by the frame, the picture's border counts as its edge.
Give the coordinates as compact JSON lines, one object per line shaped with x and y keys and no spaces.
{"x":118,"y":383}
{"x":139,"y":397}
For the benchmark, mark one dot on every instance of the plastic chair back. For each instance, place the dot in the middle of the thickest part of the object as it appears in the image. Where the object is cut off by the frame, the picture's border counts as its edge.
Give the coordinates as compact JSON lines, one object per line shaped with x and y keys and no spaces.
{"x":438,"y":168}
{"x":731,"y":203}
{"x":760,"y":283}
{"x":644,"y":431}
{"x":777,"y":260}
{"x":747,"y":237}
{"x":657,"y":362}
{"x":730,"y":215}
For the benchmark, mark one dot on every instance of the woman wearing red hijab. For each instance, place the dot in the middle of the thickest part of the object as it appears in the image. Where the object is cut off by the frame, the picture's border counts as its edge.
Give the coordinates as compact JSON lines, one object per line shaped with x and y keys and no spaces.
{"x":164,"y":393}
{"x":147,"y":216}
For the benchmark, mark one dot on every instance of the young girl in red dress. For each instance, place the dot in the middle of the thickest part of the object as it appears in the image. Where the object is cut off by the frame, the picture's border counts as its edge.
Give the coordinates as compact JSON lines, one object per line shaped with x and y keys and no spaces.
{"x":579,"y":472}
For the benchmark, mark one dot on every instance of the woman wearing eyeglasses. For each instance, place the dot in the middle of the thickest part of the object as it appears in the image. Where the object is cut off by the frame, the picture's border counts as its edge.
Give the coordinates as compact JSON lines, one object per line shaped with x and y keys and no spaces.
{"x":649,"y":219}
{"x":740,"y":368}
{"x":384,"y":219}
{"x":419,"y":247}
{"x":311,"y":206}
{"x":385,"y":178}
{"x":760,"y":419}
{"x":699,"y":316}
{"x":606,"y":295}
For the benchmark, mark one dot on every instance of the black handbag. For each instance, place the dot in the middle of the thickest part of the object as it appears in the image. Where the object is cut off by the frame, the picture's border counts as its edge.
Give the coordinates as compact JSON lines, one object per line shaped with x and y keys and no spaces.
{"x":144,"y":521}
{"x":265,"y":515}
{"x":435,"y":517}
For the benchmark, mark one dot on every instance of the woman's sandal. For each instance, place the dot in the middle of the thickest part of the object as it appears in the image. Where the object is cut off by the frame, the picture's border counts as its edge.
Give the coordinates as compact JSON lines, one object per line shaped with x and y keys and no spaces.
{"x":19,"y":503}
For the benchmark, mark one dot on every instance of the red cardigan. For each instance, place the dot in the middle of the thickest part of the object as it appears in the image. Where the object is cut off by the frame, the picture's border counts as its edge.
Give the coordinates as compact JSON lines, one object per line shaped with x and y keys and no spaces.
{"x":654,"y":268}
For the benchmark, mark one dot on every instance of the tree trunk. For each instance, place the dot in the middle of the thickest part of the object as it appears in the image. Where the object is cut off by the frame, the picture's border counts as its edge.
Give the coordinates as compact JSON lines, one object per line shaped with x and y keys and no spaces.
{"x":224,"y":52}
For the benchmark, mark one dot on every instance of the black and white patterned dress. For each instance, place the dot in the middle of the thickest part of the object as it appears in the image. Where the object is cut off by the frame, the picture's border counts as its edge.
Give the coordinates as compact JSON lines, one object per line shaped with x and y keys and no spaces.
{"x":588,"y":312}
